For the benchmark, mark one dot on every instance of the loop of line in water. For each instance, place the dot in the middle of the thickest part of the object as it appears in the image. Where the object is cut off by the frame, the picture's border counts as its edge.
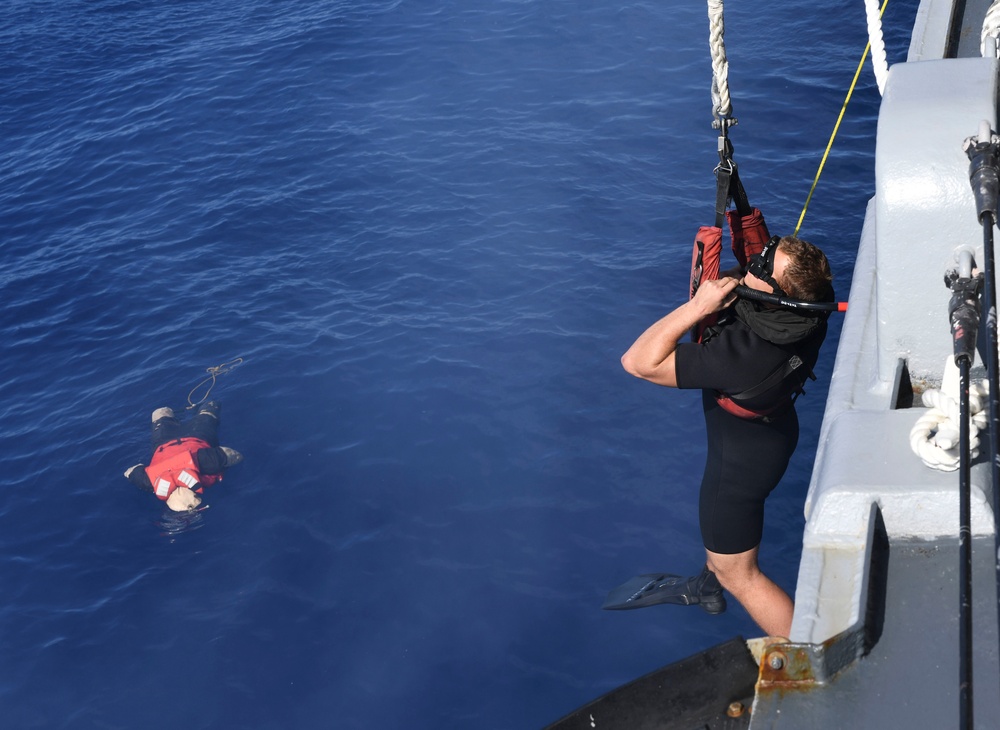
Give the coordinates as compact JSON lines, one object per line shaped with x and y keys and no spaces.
{"x":213,"y":373}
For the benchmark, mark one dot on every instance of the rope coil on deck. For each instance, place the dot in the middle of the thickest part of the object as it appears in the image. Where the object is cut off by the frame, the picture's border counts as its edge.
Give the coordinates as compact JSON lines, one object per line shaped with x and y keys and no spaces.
{"x":934,"y":437}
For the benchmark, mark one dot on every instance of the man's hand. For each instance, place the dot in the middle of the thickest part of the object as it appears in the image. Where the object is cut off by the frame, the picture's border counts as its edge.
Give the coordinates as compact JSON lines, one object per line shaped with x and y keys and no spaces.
{"x":651,"y":357}
{"x":715,"y":295}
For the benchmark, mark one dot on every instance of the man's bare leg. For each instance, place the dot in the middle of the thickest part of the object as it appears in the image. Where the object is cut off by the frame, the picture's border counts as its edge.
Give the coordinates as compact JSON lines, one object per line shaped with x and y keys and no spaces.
{"x":763,"y":599}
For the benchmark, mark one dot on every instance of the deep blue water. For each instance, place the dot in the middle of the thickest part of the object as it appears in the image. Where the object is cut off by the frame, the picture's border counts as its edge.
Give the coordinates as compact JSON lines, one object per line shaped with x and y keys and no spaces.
{"x":430,"y":229}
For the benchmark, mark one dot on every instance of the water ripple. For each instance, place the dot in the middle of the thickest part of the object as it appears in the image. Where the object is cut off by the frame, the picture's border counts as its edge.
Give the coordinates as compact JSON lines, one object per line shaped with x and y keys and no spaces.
{"x":429,"y":229}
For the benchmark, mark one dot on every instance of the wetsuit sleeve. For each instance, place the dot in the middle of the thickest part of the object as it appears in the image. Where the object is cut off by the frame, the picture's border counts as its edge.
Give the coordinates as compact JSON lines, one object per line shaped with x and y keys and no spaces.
{"x":211,"y":460}
{"x":140,"y":479}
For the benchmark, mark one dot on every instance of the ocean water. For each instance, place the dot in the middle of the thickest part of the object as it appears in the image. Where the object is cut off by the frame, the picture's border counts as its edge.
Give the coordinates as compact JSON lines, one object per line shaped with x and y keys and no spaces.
{"x":429,"y":229}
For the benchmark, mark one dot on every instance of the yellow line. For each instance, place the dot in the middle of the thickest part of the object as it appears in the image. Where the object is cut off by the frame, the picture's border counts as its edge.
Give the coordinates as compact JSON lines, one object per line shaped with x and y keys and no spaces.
{"x":836,"y":127}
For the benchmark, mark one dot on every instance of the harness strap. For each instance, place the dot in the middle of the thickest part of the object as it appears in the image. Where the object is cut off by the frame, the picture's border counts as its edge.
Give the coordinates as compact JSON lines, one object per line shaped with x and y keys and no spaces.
{"x":723,"y":177}
{"x":727,"y":402}
{"x":705,"y":259}
{"x":728,"y":185}
{"x":739,"y":194}
{"x":777,"y":375}
{"x":730,"y":406}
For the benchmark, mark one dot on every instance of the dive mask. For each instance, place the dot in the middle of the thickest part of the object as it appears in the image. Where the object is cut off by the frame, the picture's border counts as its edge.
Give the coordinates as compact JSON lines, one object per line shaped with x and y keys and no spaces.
{"x":762,"y":265}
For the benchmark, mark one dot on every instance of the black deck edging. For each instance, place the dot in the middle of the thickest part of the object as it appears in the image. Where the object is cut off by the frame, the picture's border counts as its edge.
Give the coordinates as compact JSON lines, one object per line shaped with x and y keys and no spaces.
{"x":691,"y":693}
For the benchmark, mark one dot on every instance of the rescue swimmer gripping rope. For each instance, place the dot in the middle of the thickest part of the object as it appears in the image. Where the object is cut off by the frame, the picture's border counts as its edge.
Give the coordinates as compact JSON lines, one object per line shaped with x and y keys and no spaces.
{"x":213,"y":373}
{"x":935,"y":436}
{"x":722,"y":105}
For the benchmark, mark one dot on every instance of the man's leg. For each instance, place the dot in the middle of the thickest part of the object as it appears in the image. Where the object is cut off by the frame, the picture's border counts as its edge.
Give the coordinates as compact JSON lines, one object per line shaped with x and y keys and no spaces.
{"x":205,"y":424}
{"x":166,"y":427}
{"x":763,"y":599}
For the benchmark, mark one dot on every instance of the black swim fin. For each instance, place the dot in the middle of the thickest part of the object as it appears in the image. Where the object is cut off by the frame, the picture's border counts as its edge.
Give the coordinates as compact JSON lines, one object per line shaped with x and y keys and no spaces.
{"x":650,"y":589}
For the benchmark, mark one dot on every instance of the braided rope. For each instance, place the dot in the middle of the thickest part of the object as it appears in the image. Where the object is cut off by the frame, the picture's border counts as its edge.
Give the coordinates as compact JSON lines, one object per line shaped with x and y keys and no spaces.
{"x":935,"y":435}
{"x":991,"y":32}
{"x":880,"y":64}
{"x":722,"y":105}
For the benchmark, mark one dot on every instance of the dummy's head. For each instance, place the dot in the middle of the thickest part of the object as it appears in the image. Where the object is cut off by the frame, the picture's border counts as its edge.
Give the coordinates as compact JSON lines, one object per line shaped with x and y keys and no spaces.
{"x":183,"y":499}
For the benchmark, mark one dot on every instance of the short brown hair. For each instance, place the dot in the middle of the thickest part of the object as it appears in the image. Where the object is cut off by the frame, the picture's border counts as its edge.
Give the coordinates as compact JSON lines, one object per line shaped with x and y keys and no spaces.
{"x":807,"y":275}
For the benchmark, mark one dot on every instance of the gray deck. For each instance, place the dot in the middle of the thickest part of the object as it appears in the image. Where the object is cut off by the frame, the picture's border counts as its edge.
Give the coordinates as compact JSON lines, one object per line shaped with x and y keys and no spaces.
{"x":910,"y":678}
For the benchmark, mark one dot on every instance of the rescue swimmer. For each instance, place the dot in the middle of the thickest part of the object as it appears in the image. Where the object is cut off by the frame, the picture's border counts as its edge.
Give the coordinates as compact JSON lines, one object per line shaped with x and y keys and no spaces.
{"x":750,"y":359}
{"x":186,"y":458}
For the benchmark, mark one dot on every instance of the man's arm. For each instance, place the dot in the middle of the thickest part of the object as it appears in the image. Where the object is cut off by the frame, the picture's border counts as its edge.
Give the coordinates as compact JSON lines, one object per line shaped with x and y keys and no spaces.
{"x":137,"y":475}
{"x":651,"y":357}
{"x":211,"y":460}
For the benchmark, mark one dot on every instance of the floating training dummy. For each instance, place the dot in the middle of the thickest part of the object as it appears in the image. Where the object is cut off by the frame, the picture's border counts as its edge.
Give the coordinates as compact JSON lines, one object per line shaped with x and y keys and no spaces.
{"x":186,"y":457}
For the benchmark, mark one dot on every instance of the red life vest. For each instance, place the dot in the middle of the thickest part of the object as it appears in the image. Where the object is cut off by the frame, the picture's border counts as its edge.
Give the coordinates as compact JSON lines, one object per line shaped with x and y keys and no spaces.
{"x":748,"y":235}
{"x":175,"y":464}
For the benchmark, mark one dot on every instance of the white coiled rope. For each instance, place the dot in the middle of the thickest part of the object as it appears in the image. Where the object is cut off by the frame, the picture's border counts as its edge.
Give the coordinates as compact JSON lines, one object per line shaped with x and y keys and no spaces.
{"x":988,"y":44}
{"x":880,"y":64}
{"x":935,"y":436}
{"x":722,"y":105}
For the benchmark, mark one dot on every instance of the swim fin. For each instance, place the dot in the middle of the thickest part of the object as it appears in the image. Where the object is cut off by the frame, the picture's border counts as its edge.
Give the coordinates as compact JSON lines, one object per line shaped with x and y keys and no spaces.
{"x":650,"y":589}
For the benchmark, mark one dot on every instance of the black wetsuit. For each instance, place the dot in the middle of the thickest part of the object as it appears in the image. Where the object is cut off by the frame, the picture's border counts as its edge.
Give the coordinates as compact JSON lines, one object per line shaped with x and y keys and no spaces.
{"x":747,"y":458}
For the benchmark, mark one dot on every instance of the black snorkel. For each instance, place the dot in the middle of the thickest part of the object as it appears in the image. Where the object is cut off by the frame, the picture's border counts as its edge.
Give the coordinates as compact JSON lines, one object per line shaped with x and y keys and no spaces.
{"x":761,"y":266}
{"x":745,"y":292}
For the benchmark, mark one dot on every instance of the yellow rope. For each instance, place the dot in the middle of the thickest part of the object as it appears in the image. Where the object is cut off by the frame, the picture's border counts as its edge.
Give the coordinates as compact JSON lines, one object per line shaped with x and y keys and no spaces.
{"x":843,"y":109}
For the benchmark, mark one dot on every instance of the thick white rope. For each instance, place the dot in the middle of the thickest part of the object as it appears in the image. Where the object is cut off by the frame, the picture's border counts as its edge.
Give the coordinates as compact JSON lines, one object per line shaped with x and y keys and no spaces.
{"x":989,"y":42}
{"x":935,"y":436}
{"x":722,"y":105}
{"x":880,"y":64}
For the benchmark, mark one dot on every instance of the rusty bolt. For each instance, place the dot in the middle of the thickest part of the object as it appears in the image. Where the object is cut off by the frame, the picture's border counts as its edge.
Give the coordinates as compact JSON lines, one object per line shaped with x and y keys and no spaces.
{"x":777,"y":661}
{"x":735,"y":709}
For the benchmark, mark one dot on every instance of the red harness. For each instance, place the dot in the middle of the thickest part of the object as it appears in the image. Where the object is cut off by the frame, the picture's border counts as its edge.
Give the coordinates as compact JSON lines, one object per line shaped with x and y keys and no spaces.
{"x":730,"y":406}
{"x":748,"y":234}
{"x":175,"y":464}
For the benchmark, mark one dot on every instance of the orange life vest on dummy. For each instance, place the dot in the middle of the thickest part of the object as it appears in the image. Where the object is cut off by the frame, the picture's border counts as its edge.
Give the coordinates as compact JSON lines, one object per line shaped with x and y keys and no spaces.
{"x":175,"y":464}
